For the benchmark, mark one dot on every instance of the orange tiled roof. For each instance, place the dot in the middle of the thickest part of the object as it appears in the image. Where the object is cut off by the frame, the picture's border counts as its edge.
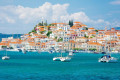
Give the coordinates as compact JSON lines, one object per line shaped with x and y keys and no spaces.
{"x":71,"y":41}
{"x":91,"y":28}
{"x":77,"y":22}
{"x":94,"y":43}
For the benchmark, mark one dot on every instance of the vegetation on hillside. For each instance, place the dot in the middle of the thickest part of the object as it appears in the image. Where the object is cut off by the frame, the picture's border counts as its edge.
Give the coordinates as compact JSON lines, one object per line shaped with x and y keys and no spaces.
{"x":48,"y":34}
{"x":71,"y":23}
{"x":60,"y":40}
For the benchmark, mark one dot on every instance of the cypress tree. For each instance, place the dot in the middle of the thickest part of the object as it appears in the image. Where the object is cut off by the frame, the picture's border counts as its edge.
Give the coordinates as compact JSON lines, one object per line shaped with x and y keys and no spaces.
{"x":71,"y":23}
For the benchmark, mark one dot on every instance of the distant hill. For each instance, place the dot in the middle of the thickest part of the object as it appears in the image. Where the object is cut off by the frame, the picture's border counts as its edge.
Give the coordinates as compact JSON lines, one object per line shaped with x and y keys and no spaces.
{"x":117,"y":28}
{"x":9,"y":35}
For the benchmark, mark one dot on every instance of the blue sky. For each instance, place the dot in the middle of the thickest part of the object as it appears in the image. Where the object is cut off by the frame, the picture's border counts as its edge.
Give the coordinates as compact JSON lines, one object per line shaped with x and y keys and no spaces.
{"x":20,"y":16}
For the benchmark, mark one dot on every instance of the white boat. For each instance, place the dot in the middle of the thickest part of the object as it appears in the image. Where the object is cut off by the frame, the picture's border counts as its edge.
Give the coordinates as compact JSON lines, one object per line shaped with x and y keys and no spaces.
{"x":65,"y":59}
{"x":56,"y":58}
{"x":5,"y":58}
{"x":107,"y":58}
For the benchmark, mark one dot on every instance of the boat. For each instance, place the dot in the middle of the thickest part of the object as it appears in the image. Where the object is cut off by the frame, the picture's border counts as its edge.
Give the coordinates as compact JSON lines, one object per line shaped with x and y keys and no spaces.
{"x":56,"y":58}
{"x":65,"y":59}
{"x":103,"y":52}
{"x":5,"y":58}
{"x":71,"y":53}
{"x":107,"y":58}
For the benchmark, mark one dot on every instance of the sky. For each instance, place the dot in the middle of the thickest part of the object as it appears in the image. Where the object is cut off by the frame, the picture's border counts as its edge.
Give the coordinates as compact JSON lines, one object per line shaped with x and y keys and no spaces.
{"x":21,"y":16}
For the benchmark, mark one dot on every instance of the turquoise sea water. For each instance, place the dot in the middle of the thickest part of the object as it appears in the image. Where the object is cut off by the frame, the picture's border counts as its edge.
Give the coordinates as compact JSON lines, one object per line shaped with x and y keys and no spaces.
{"x":35,"y":66}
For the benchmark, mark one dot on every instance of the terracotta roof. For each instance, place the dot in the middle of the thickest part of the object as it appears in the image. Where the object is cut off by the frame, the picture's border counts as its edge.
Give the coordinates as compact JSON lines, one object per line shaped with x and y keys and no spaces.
{"x":94,"y":43}
{"x":91,"y":28}
{"x":77,"y":22}
{"x":71,"y":41}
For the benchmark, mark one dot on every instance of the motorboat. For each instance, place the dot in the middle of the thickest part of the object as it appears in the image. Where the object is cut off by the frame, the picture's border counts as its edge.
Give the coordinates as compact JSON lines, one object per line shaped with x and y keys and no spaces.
{"x":107,"y":58}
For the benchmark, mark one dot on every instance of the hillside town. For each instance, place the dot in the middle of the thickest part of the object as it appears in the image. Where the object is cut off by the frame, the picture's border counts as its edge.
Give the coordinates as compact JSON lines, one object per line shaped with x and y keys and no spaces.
{"x":77,"y":36}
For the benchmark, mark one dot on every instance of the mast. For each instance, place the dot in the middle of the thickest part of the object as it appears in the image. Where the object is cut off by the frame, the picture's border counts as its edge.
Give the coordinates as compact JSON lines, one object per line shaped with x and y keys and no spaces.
{"x":105,"y":40}
{"x":110,"y":42}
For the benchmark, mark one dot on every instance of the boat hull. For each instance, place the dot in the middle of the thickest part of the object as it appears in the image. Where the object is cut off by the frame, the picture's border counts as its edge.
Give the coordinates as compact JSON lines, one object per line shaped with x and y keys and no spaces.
{"x":5,"y":58}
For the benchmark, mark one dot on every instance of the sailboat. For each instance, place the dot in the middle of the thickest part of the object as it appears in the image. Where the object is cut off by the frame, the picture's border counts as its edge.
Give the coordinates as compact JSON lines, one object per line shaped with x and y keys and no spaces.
{"x":57,"y":58}
{"x":65,"y":59}
{"x":5,"y":57}
{"x":107,"y":57}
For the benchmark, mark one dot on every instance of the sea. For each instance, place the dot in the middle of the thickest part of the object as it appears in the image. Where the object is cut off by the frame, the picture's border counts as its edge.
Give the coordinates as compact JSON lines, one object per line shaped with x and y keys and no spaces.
{"x":40,"y":66}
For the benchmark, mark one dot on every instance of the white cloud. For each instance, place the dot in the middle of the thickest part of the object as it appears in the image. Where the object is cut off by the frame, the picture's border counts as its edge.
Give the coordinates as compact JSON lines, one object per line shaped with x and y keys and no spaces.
{"x":47,"y":11}
{"x":116,"y":2}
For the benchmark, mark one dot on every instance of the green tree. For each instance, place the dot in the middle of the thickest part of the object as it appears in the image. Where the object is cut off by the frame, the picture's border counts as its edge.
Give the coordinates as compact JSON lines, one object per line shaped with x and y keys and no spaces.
{"x":48,"y":34}
{"x":40,"y":24}
{"x":86,"y":36}
{"x":4,"y":46}
{"x":34,"y":31}
{"x":71,"y":23}
{"x":96,"y":30}
{"x":92,"y":49}
{"x":78,"y":49}
{"x":56,"y":37}
{"x":60,"y":39}
{"x":42,"y":32}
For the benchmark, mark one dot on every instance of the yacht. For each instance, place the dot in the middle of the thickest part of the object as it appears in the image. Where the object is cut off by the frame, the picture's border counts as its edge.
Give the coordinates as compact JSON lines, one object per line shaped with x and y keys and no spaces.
{"x":65,"y":59}
{"x":107,"y":58}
